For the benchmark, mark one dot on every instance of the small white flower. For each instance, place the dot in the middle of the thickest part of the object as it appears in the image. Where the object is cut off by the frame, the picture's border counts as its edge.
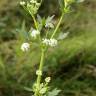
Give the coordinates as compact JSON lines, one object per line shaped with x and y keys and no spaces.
{"x":47,"y":79}
{"x":53,"y":42}
{"x":46,"y":41}
{"x":22,"y":3}
{"x":33,"y":1}
{"x":43,"y":90}
{"x":34,"y":33}
{"x":38,"y":72}
{"x":25,"y":47}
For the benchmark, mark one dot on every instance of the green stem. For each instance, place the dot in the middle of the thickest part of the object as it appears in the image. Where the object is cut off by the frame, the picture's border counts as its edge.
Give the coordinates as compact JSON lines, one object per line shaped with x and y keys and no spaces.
{"x":35,"y":22}
{"x":40,"y":68}
{"x":56,"y":29}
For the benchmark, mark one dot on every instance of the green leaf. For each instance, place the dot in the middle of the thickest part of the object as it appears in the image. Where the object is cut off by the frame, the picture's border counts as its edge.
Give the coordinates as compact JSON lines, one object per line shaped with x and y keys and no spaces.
{"x":39,"y":18}
{"x":41,"y":22}
{"x":79,"y":1}
{"x":49,"y":22}
{"x":28,"y":89}
{"x":54,"y":92}
{"x":24,"y":33}
{"x":61,"y":4}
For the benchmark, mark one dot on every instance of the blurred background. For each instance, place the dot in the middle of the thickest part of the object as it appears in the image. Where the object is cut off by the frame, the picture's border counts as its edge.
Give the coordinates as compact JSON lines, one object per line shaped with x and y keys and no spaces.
{"x":72,"y":65}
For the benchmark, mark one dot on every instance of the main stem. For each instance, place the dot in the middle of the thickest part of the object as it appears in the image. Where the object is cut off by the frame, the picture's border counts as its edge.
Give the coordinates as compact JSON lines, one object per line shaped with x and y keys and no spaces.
{"x":40,"y":68}
{"x":43,"y":54}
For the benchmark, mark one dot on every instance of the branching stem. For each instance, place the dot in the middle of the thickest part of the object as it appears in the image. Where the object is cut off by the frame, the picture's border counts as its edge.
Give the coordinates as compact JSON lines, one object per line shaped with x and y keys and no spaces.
{"x":56,"y":29}
{"x":35,"y":22}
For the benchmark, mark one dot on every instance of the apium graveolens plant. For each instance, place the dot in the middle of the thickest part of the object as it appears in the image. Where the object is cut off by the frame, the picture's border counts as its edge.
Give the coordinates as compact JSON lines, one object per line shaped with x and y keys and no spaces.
{"x":45,"y":41}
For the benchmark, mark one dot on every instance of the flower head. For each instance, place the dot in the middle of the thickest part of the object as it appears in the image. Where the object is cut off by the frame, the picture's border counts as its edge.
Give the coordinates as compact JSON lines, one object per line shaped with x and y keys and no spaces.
{"x":53,"y":42}
{"x":33,"y":1}
{"x":34,"y":33}
{"x":38,"y":72}
{"x":22,"y":3}
{"x":33,"y":6}
{"x":50,"y":42}
{"x":46,"y":41}
{"x":25,"y":47}
{"x":47,"y":79}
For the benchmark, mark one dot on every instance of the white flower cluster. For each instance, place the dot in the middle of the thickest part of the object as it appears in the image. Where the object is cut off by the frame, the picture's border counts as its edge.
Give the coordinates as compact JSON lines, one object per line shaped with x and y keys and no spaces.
{"x":22,"y":3}
{"x":25,"y":47}
{"x":39,"y":72}
{"x":47,"y":79}
{"x":33,"y":1}
{"x":32,"y":6}
{"x":50,"y":42}
{"x":34,"y":33}
{"x":42,"y":88}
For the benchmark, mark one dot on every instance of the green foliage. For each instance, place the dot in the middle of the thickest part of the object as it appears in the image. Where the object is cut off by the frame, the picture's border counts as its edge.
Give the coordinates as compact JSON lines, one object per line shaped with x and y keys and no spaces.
{"x":73,"y":65}
{"x":54,"y":92}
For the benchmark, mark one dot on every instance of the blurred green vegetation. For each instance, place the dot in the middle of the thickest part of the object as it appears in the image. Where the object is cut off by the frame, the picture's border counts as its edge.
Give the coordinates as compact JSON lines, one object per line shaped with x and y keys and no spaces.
{"x":72,"y":65}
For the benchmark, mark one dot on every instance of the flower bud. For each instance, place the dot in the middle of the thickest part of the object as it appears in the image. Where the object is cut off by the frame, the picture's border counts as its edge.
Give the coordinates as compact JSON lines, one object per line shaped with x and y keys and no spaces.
{"x":25,"y":47}
{"x":39,"y":72}
{"x":22,"y":3}
{"x":47,"y":79}
{"x":34,"y":33}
